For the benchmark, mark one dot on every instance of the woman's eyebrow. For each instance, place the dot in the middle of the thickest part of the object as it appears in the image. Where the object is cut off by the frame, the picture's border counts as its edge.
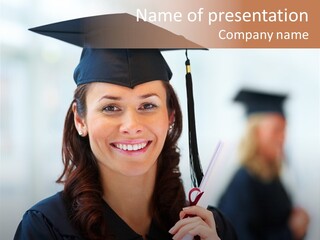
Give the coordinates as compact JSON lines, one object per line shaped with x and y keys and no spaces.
{"x":149,"y":95}
{"x":116,"y":98}
{"x":110,"y":97}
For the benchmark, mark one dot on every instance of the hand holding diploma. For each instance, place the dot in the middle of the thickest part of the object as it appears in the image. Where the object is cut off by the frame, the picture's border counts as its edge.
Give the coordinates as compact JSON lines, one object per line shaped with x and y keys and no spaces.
{"x":202,"y":224}
{"x":196,"y":220}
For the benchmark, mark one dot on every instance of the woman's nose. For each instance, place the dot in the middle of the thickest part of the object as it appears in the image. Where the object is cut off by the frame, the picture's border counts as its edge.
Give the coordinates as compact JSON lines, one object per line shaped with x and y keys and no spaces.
{"x":131,"y":123}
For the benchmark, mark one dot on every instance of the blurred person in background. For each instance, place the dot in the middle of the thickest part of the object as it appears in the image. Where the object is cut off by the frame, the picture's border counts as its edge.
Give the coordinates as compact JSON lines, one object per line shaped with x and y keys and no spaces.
{"x":121,"y":161}
{"x":256,"y":200}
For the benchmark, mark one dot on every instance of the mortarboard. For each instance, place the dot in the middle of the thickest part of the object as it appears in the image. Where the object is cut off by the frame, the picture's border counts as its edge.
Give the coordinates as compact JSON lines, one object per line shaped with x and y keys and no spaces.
{"x":261,"y":102}
{"x":112,"y":40}
{"x":119,"y":49}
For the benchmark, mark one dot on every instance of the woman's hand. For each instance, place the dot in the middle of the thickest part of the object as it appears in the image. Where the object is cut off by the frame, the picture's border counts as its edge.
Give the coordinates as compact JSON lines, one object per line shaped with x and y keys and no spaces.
{"x":201,"y":224}
{"x":298,"y":222}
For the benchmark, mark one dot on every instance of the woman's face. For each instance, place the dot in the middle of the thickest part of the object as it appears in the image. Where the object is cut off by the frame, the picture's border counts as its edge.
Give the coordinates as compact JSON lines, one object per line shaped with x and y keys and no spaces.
{"x":271,"y":136}
{"x":126,"y":127}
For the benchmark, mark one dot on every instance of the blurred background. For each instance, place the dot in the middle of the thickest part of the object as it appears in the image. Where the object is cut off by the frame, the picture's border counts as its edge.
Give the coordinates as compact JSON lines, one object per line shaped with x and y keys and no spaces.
{"x":37,"y":88}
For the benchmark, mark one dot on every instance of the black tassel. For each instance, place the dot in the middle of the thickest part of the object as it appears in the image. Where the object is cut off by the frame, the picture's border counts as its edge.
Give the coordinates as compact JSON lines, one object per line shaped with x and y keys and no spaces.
{"x":195,"y":165}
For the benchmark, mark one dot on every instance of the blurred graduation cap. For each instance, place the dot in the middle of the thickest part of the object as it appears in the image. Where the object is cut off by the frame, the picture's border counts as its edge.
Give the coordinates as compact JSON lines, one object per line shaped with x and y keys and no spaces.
{"x":261,"y":102}
{"x":119,"y":49}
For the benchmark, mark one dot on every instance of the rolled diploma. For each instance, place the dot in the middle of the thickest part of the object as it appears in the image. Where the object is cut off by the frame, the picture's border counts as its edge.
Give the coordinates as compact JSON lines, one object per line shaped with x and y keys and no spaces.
{"x":204,"y":185}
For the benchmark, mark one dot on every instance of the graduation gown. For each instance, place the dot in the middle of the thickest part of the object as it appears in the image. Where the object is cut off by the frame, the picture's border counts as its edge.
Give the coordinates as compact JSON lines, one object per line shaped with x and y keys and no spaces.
{"x":48,"y":220}
{"x":257,"y":210}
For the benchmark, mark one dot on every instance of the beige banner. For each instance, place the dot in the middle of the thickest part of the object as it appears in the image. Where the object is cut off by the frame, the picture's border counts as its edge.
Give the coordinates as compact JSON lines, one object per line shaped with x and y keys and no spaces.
{"x":239,"y":23}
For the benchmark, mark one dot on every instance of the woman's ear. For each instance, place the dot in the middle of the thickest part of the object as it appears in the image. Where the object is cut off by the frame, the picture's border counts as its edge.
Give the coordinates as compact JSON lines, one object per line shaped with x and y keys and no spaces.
{"x":172,"y":118}
{"x":79,"y":122}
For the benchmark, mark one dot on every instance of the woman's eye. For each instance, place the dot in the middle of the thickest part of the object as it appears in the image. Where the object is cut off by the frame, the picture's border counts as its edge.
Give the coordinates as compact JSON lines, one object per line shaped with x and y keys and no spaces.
{"x":148,"y":106}
{"x":111,"y":108}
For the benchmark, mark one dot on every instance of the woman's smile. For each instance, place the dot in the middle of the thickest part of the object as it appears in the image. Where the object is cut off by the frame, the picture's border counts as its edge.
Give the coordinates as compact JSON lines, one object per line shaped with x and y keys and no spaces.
{"x":129,"y":147}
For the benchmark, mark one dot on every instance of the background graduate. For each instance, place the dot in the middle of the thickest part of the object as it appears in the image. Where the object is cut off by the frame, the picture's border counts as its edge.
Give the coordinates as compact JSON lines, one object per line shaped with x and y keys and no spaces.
{"x":256,"y":200}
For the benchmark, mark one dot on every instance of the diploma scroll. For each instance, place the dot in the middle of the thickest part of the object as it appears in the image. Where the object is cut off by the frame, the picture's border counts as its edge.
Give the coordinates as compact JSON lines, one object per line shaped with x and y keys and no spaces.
{"x":204,"y":189}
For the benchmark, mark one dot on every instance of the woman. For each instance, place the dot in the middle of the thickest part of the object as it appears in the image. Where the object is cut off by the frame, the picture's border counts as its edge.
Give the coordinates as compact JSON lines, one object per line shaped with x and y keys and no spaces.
{"x":121,"y":175}
{"x":256,"y":201}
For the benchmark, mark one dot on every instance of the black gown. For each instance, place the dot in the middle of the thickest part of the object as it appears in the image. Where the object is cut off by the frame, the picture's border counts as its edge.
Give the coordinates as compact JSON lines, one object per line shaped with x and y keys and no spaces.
{"x":257,"y":210}
{"x":48,"y":220}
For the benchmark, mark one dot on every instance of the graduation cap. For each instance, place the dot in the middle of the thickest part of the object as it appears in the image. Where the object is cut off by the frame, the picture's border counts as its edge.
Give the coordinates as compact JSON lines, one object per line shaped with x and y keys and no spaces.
{"x":261,"y":102}
{"x":119,"y":49}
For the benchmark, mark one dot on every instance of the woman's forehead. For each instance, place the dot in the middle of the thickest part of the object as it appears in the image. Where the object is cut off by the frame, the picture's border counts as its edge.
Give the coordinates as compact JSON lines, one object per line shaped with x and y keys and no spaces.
{"x":97,"y":90}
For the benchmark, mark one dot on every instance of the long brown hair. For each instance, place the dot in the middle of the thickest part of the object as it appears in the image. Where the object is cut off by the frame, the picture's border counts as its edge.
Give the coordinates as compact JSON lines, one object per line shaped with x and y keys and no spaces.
{"x":82,"y":187}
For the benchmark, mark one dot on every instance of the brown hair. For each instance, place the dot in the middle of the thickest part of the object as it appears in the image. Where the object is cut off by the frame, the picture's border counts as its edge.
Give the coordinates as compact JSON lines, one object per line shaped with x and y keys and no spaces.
{"x":82,"y":187}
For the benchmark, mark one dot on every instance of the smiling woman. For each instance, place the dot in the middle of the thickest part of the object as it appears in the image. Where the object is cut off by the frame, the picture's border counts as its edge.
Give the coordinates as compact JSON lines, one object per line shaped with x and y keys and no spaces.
{"x":120,"y":124}
{"x":121,"y":172}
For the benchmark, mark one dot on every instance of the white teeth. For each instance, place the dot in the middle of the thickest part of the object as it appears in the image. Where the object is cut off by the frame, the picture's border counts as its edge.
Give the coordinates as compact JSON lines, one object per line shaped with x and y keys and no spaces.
{"x":131,"y":147}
